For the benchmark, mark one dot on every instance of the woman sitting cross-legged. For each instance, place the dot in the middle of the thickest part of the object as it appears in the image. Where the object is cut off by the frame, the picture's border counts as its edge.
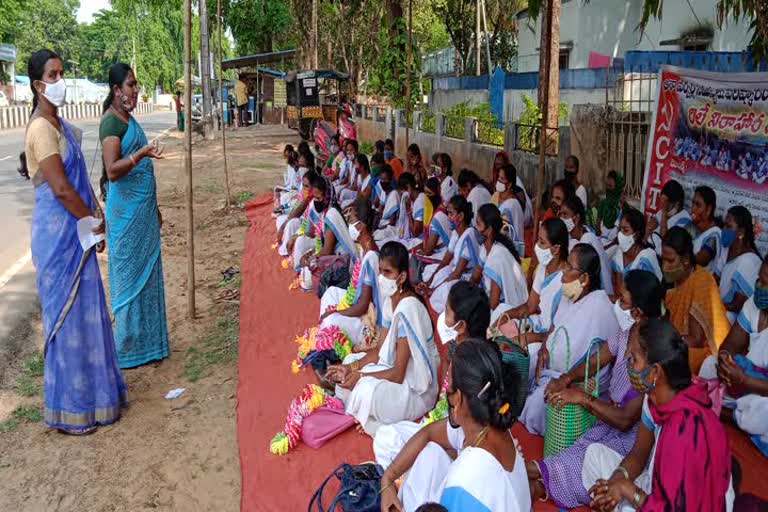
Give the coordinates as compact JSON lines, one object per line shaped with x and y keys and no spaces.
{"x":690,"y":462}
{"x":468,"y":461}
{"x":742,"y":260}
{"x":742,"y":365}
{"x":466,"y":316}
{"x":694,"y":305}
{"x":289,"y":225}
{"x":559,"y":476}
{"x":585,"y":315}
{"x":437,"y":227}
{"x":460,"y":259}
{"x":399,"y":380}
{"x":499,"y":265}
{"x":346,"y":308}
{"x":633,"y":252}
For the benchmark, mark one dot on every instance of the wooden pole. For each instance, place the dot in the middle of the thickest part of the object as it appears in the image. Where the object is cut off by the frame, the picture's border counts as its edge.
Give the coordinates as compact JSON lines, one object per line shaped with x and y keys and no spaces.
{"x":487,"y":39}
{"x":477,"y":38}
{"x":205,"y":70}
{"x":221,"y":103}
{"x":408,"y":74}
{"x":544,"y":68}
{"x":188,"y":157}
{"x":314,"y":33}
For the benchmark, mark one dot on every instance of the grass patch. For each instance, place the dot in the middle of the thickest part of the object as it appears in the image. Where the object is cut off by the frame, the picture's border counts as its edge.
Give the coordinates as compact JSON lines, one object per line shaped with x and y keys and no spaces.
{"x":217,"y":347}
{"x":243,"y":196}
{"x":213,"y":188}
{"x":33,"y":365}
{"x":8,"y":425}
{"x":234,"y":282}
{"x":26,"y":385}
{"x":28,"y":414}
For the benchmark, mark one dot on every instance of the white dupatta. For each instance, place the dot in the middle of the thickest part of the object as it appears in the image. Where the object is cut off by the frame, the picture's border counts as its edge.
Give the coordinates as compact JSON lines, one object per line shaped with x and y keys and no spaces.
{"x":502,"y":268}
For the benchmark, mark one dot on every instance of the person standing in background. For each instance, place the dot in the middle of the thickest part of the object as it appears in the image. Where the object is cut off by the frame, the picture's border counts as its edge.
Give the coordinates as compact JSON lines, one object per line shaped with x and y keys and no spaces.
{"x":133,"y":226}
{"x":241,"y":95}
{"x":179,"y":111}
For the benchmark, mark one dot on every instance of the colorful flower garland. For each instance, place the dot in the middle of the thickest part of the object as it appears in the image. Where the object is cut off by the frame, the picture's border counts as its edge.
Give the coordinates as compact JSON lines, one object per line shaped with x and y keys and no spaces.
{"x":318,"y":339}
{"x":311,"y":397}
{"x":349,"y":298}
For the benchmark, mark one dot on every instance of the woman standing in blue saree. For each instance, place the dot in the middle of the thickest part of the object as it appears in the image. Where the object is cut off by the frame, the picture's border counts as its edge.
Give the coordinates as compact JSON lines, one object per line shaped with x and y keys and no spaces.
{"x":133,"y":227}
{"x":83,"y":386}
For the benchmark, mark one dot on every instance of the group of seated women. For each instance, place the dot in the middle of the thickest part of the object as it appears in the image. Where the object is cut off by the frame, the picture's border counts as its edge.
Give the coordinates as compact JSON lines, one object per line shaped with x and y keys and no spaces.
{"x":633,"y":321}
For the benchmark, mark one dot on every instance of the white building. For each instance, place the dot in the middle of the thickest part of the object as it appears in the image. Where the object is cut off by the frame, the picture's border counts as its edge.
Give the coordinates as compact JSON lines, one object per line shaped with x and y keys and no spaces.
{"x":609,"y":28}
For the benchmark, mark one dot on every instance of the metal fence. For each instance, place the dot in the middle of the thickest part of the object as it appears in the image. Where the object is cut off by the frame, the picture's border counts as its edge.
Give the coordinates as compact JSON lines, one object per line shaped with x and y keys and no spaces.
{"x":528,"y":138}
{"x":453,"y":126}
{"x":489,"y":132}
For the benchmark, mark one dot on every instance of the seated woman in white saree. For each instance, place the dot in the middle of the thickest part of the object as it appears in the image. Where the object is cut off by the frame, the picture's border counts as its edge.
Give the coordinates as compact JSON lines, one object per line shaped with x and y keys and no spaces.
{"x":387,"y":199}
{"x":473,"y":188}
{"x":742,"y":365}
{"x":507,"y":198}
{"x":409,"y":226}
{"x":467,"y":315}
{"x":572,"y":212}
{"x":467,"y":462}
{"x":285,"y":192}
{"x":346,"y":308}
{"x":363,"y":186}
{"x":443,"y":171}
{"x":288,"y":225}
{"x":459,"y":260}
{"x":633,"y":253}
{"x":585,"y":315}
{"x":671,"y":213}
{"x":437,"y":227}
{"x":399,"y":380}
{"x":741,"y":263}
{"x":707,"y":245}
{"x":551,"y":251}
{"x":331,"y":235}
{"x":347,"y":176}
{"x":499,"y":266}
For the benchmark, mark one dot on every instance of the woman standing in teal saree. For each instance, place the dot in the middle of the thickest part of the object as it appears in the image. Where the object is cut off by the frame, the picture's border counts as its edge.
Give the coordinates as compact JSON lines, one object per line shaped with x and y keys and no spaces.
{"x":133,"y":226}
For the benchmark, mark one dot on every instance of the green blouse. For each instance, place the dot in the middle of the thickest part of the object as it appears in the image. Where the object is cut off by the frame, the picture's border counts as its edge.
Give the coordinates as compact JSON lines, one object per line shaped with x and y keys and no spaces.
{"x":112,"y":126}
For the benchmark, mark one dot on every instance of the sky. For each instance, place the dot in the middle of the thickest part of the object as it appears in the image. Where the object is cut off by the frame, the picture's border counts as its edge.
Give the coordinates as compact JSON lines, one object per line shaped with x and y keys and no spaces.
{"x":90,"y":7}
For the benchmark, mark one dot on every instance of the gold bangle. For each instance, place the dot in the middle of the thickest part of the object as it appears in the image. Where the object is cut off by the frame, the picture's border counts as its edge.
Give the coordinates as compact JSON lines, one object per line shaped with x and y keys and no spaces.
{"x":355,"y":365}
{"x":133,"y":159}
{"x":390,"y":484}
{"x":623,"y":471}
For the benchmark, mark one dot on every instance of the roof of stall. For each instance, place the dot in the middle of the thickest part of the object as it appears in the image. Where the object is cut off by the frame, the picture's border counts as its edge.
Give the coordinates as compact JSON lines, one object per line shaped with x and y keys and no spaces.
{"x":258,"y":59}
{"x":316,"y":73}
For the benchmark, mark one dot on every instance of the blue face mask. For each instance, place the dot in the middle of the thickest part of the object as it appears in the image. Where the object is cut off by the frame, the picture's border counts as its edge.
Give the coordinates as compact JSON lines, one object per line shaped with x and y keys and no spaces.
{"x":760,"y":297}
{"x":637,"y":378}
{"x":388,"y":155}
{"x":727,"y":237}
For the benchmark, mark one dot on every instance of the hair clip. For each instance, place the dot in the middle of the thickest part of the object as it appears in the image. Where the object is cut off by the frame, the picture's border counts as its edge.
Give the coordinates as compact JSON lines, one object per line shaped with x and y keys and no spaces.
{"x":504,"y":408}
{"x":485,"y":388}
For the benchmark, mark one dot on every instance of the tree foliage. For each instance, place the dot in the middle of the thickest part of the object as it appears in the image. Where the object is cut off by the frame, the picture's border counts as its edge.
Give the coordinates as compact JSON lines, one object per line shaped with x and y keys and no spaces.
{"x":258,"y":26}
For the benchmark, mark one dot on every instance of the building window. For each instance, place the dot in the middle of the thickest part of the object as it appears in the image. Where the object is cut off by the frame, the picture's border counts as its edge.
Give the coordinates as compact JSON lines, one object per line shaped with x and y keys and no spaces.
{"x":565,"y":57}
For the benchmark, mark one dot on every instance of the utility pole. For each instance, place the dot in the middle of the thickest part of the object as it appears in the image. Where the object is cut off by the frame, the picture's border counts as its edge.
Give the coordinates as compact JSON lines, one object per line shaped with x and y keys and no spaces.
{"x":487,"y":39}
{"x":549,"y":80}
{"x":408,"y":74}
{"x":205,"y":70}
{"x":315,"y":64}
{"x":188,"y":157}
{"x":221,"y":102}
{"x":477,"y":38}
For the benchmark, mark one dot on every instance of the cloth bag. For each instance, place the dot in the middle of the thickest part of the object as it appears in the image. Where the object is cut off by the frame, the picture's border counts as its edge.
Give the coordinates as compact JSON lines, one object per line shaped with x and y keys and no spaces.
{"x":358,"y":489}
{"x":323,"y":425}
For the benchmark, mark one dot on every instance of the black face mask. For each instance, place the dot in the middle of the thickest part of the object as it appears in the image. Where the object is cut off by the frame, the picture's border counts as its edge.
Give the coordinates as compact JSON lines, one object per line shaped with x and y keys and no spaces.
{"x":570,"y":175}
{"x":386,"y":186}
{"x":319,"y":206}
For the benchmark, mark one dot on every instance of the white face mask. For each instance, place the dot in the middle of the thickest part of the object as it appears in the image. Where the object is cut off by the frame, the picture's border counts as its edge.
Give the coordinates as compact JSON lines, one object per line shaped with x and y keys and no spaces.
{"x":569,"y":224}
{"x":446,"y":333}
{"x":387,"y":286}
{"x":543,"y":255}
{"x":626,"y":242}
{"x":623,"y":316}
{"x":303,"y":170}
{"x":354,"y":233}
{"x":501,"y":187}
{"x":56,"y":92}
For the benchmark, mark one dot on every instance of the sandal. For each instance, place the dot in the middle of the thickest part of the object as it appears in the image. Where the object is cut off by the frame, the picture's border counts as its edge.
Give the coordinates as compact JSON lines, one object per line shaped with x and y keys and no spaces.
{"x":228,"y":295}
{"x":78,"y":432}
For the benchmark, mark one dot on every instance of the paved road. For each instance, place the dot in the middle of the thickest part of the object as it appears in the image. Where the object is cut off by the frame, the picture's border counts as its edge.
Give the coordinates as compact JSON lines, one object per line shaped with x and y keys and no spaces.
{"x":17,"y":285}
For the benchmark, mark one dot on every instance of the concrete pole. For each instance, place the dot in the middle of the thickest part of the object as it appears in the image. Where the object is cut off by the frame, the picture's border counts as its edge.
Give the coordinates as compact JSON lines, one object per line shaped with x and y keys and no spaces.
{"x":188,"y":157}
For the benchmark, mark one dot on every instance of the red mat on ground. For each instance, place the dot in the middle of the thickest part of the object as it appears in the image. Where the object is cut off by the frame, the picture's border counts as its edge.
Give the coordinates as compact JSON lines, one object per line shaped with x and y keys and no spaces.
{"x":270,"y":317}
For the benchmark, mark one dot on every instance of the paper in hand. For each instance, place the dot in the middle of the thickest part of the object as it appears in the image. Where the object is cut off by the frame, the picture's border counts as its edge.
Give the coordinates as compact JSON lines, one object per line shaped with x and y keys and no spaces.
{"x":85,"y":227}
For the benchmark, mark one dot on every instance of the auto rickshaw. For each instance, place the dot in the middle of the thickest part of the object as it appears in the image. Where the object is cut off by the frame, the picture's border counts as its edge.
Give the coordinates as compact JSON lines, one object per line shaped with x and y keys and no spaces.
{"x":316,"y":95}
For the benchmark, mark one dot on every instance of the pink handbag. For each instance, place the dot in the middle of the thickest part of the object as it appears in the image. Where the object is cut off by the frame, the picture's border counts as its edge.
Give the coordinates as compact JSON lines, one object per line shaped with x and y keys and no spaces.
{"x":323,"y":425}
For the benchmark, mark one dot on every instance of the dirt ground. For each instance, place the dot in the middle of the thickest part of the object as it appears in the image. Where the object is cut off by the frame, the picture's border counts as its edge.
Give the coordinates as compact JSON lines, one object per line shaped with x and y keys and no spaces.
{"x":177,"y":454}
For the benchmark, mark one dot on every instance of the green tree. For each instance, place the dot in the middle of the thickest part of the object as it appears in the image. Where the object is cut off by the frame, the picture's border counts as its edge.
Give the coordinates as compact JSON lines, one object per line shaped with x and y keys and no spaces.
{"x":47,"y":24}
{"x":259,"y":26}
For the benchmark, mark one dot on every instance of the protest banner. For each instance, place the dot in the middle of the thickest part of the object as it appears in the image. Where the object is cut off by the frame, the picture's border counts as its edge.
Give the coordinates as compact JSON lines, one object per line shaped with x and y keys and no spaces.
{"x":711,"y":129}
